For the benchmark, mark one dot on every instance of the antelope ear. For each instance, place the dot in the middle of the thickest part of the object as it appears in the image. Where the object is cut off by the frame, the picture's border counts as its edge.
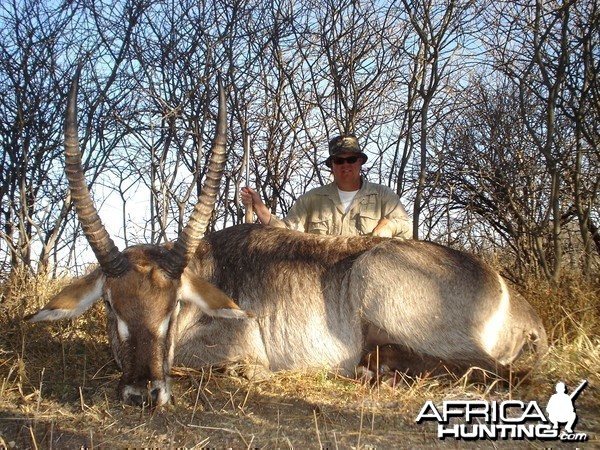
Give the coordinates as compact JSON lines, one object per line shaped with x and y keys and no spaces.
{"x":73,"y":300}
{"x":208,"y":298}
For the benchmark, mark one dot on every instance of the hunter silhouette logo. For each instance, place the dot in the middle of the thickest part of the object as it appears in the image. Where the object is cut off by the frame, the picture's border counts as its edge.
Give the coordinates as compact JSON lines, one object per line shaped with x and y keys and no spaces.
{"x":560,"y":407}
{"x":509,"y":419}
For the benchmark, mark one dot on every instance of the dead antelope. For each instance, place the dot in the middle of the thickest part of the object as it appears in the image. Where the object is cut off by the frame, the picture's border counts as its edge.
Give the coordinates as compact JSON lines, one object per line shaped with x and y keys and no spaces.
{"x":316,"y":301}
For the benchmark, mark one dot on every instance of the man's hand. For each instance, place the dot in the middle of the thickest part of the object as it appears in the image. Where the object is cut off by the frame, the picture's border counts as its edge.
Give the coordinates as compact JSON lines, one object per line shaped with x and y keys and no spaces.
{"x":250,"y":198}
{"x":384,"y":228}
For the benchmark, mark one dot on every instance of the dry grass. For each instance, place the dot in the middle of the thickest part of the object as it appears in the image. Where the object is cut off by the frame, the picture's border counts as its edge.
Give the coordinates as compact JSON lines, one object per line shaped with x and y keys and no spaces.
{"x":58,"y":390}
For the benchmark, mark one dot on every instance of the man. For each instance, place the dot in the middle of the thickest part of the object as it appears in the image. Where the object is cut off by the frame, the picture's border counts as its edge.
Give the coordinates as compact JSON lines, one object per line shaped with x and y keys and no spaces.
{"x":560,"y":408}
{"x":349,"y":206}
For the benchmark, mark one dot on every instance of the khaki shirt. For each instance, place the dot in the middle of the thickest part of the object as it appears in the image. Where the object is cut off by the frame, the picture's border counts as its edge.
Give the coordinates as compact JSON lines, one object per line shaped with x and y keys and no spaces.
{"x":320,"y":211}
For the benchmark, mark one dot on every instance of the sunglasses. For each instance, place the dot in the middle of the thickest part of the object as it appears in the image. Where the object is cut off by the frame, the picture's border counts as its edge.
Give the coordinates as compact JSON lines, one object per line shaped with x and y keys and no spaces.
{"x":349,"y":159}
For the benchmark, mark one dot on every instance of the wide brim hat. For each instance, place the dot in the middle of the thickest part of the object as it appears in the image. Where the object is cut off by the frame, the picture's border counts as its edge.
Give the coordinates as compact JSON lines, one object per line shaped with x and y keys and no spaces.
{"x":345,"y":144}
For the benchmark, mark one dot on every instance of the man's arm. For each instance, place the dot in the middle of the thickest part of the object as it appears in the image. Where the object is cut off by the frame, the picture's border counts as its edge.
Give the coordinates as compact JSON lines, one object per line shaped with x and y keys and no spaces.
{"x":395,"y":221}
{"x":295,"y":219}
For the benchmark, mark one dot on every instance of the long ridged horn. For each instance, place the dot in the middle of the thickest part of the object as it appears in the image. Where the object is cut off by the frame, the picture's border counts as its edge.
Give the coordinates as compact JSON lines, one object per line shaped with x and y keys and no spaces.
{"x":111,"y":260}
{"x":188,"y":240}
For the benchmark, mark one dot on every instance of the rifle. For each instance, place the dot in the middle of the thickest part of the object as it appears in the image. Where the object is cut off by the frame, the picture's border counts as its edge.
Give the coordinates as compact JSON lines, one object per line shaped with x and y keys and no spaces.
{"x":576,"y":392}
{"x":249,"y":216}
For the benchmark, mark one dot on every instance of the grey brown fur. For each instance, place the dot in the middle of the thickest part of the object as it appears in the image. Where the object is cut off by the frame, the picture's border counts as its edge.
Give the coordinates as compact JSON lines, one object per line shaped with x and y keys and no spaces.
{"x":317,"y":301}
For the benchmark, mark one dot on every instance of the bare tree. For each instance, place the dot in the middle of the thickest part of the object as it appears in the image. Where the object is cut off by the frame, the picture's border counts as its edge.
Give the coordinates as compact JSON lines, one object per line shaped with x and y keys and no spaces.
{"x":32,"y":203}
{"x":442,"y":30}
{"x":491,"y":169}
{"x":484,"y":114}
{"x":534,"y":46}
{"x":581,"y":105}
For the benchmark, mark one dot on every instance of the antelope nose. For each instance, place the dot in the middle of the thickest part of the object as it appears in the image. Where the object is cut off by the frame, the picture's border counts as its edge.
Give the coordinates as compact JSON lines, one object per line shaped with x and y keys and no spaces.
{"x":140,"y":400}
{"x":154,"y":395}
{"x":136,"y":400}
{"x":150,"y":396}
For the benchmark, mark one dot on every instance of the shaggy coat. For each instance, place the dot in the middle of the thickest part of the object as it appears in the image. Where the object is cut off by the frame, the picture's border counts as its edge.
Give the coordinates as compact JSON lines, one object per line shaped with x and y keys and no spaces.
{"x":322,"y":301}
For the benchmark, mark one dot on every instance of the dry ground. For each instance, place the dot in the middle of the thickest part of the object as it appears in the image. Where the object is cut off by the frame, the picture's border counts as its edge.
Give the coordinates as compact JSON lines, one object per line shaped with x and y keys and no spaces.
{"x":58,"y":390}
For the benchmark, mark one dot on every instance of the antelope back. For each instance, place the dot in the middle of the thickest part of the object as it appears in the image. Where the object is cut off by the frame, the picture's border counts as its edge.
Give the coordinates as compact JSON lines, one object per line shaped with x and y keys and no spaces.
{"x":322,"y":300}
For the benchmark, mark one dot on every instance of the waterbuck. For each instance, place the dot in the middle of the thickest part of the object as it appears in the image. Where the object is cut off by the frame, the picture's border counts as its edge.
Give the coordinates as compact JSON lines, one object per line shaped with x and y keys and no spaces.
{"x":304,"y":301}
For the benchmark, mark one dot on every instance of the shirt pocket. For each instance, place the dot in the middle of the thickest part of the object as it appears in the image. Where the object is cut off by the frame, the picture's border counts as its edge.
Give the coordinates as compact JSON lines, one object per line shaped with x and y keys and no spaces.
{"x":368,"y":216}
{"x":320,"y":225}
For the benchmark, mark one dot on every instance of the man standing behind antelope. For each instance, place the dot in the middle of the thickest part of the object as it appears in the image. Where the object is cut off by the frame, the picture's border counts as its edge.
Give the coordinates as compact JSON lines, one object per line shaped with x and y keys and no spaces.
{"x":350,"y":205}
